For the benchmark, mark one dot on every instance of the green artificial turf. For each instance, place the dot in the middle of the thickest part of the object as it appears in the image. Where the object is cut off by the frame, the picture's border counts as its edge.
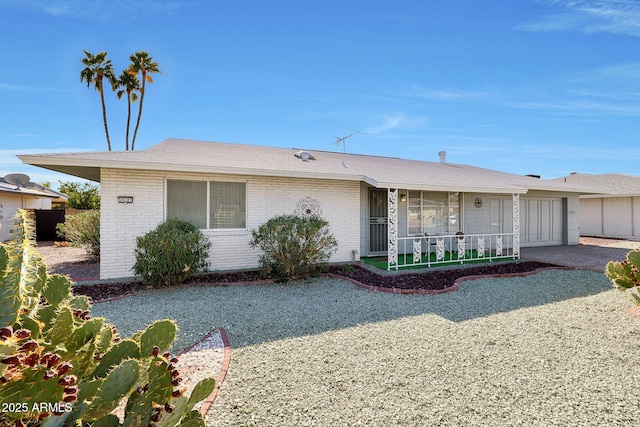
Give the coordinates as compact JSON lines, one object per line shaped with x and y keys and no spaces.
{"x":406,"y":261}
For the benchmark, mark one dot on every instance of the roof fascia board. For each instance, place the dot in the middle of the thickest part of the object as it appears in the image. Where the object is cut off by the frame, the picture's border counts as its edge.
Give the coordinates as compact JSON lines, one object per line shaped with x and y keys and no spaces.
{"x":89,"y":163}
{"x":453,"y":188}
{"x":606,"y":196}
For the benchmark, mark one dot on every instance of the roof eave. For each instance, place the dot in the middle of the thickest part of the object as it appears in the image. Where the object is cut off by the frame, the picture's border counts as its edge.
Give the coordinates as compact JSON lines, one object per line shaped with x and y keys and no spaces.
{"x":606,"y":195}
{"x":91,"y":169}
{"x":453,"y":188}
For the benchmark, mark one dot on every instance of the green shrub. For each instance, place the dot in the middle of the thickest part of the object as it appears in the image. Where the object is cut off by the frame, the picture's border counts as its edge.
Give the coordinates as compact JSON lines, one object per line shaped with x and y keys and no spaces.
{"x":171,"y":254}
{"x":59,"y":366}
{"x":81,"y":195}
{"x":83,"y":230}
{"x":625,"y":274}
{"x":293,"y":246}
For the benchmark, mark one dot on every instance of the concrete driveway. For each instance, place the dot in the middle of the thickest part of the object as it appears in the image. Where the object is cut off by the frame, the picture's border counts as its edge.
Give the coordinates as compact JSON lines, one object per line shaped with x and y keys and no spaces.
{"x":590,"y":254}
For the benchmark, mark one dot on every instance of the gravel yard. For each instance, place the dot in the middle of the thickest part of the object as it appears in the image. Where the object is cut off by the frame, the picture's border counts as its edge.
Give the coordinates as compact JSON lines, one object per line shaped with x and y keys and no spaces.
{"x":555,"y":348}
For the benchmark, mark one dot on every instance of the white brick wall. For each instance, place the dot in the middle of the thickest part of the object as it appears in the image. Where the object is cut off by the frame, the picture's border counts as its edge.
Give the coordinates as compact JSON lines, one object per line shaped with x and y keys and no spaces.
{"x":266,"y":197}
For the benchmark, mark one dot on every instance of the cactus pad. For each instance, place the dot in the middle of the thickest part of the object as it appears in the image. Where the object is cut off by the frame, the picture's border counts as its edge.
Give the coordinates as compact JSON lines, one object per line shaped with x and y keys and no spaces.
{"x":161,"y":333}
{"x":57,"y":289}
{"x":116,"y":385}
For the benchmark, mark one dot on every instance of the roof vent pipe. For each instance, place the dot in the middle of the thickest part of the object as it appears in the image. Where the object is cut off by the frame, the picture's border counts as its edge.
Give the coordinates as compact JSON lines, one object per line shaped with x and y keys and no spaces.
{"x":443,"y":156}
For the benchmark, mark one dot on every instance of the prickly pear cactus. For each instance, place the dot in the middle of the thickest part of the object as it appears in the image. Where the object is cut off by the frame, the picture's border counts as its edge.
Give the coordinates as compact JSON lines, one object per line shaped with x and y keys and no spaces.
{"x":625,"y":274}
{"x":61,"y":367}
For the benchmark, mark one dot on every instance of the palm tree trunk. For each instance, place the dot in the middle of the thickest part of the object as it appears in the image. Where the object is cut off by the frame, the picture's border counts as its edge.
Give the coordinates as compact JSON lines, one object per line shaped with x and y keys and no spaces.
{"x":128,"y":118}
{"x":135,"y":132}
{"x":104,"y":118}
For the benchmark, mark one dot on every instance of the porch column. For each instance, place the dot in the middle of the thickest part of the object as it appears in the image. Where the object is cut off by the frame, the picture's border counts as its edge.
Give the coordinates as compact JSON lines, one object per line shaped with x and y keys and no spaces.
{"x":516,"y":225}
{"x":392,"y":228}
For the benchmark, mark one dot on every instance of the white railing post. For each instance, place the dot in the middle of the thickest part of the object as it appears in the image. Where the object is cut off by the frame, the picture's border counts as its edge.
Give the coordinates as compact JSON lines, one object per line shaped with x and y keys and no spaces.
{"x":486,"y":246}
{"x":516,"y":225}
{"x":392,"y":228}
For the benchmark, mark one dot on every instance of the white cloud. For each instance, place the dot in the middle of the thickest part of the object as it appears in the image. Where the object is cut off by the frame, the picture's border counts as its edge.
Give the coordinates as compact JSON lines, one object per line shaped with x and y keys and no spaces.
{"x":9,"y":87}
{"x":417,"y":91}
{"x":394,"y":122}
{"x":611,"y":90}
{"x":96,"y":9}
{"x":589,"y":16}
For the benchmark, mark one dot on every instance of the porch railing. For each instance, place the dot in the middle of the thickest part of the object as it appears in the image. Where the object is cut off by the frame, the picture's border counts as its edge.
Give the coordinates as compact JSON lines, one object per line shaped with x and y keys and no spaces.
{"x":445,"y":249}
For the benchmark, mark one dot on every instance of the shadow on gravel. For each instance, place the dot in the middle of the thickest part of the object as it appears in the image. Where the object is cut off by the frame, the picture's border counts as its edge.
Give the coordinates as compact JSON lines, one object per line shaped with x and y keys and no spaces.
{"x":263,"y":313}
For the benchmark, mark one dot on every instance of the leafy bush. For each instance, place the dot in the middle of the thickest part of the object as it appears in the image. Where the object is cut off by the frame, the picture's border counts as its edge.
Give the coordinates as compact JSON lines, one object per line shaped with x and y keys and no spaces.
{"x":59,"y":366}
{"x":171,"y":254}
{"x":625,"y":274}
{"x":83,"y":230}
{"x":81,"y":196}
{"x":293,"y":246}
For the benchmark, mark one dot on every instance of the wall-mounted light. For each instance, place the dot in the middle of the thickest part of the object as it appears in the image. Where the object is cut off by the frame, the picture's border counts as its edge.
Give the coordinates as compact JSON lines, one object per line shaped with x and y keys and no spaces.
{"x":403,"y":197}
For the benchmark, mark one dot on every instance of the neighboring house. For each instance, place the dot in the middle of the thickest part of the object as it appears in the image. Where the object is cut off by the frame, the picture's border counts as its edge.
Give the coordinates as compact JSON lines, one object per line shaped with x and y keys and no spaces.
{"x":615,"y":211}
{"x":374,"y":205}
{"x":24,"y":196}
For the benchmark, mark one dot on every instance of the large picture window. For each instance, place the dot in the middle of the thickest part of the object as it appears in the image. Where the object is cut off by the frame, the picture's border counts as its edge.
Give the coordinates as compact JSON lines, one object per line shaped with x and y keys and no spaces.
{"x":431,"y":212}
{"x":208,"y":204}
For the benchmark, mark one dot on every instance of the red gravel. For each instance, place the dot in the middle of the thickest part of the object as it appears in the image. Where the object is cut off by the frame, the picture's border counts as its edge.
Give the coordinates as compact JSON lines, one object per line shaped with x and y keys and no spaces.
{"x":434,"y":280}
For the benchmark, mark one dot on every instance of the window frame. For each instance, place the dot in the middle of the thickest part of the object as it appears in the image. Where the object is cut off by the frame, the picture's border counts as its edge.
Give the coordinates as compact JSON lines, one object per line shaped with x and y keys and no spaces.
{"x":208,"y":201}
{"x":446,"y":198}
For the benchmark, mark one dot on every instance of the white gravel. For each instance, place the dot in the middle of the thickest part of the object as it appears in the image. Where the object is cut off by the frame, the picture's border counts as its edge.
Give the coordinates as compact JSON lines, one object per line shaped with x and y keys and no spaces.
{"x":556,"y":348}
{"x":204,"y":360}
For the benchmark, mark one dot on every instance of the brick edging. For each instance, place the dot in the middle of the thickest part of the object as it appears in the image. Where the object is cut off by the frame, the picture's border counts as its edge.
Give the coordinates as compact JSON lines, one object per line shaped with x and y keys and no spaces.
{"x":456,"y":285}
{"x":206,"y":404}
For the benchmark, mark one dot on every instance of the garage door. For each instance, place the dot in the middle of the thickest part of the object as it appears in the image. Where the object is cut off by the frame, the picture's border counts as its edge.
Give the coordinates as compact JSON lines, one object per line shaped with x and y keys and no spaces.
{"x":541,"y":222}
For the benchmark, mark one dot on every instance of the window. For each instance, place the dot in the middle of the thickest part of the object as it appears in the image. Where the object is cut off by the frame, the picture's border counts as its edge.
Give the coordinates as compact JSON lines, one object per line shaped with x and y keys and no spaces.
{"x":187,"y":200}
{"x":208,"y":204}
{"x":228,"y":205}
{"x":431,"y":212}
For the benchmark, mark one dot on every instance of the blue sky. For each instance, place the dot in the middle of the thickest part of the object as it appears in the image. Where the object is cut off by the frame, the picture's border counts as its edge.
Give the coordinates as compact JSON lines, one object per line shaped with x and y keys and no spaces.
{"x":527,"y":87}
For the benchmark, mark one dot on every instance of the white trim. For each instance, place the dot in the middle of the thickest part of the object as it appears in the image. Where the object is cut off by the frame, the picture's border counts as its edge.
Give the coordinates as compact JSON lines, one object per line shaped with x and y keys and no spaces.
{"x":449,"y":188}
{"x":208,"y":230}
{"x":226,"y":232}
{"x":448,"y":207}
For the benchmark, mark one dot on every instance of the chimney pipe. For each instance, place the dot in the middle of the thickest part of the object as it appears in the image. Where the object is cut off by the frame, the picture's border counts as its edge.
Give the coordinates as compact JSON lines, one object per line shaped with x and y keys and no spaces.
{"x":443,"y":156}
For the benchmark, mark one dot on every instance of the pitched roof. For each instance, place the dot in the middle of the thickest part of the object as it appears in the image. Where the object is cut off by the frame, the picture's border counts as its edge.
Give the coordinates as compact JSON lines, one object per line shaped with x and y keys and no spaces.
{"x":31,"y":189}
{"x":606,"y":185}
{"x":216,"y":157}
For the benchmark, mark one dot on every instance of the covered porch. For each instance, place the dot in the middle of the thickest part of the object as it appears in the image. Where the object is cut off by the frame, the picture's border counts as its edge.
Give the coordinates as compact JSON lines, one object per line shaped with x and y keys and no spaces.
{"x":425,"y":228}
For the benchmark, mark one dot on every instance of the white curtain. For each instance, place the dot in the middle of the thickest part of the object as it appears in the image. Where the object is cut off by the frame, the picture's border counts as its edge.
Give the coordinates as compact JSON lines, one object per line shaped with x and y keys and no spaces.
{"x":187,"y":200}
{"x":228,"y":204}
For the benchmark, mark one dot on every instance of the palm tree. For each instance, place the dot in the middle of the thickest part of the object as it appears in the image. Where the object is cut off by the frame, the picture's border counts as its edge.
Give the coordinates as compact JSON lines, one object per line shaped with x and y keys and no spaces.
{"x":129,"y":84}
{"x":97,"y":68}
{"x":144,"y":64}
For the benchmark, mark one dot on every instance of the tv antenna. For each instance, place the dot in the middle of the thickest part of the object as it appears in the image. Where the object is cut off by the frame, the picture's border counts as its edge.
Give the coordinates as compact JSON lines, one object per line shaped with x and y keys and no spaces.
{"x":342,"y":140}
{"x":17,"y":179}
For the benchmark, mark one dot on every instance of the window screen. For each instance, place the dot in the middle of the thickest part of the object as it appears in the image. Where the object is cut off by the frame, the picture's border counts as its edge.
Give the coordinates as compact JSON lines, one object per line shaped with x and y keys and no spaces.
{"x":187,"y":200}
{"x":228,"y":204}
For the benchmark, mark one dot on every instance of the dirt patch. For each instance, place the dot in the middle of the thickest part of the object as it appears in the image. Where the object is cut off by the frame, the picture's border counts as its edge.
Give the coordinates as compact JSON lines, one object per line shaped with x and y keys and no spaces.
{"x":69,"y":261}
